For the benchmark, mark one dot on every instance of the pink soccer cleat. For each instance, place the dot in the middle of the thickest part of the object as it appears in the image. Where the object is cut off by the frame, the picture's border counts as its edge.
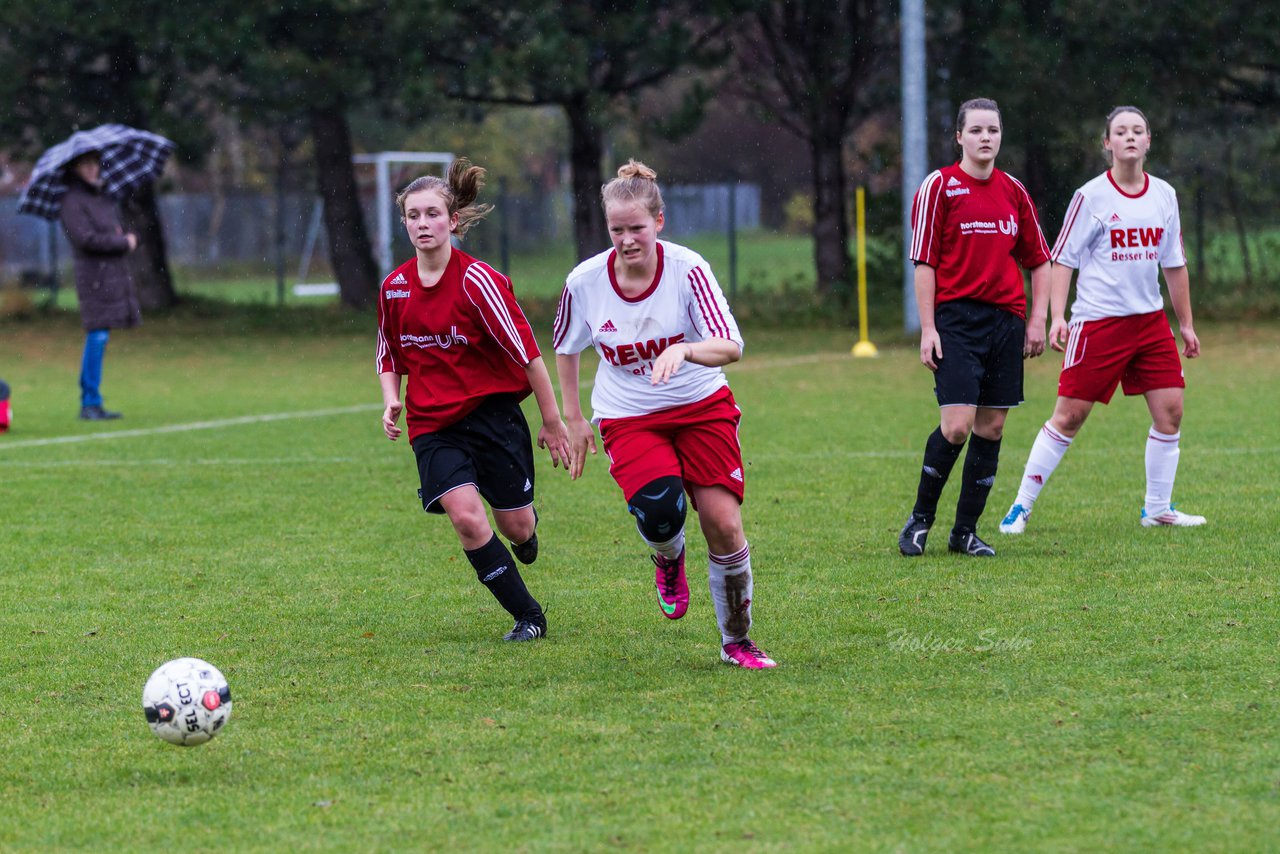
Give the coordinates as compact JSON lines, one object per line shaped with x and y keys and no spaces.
{"x":745,"y":653}
{"x":673,"y":587}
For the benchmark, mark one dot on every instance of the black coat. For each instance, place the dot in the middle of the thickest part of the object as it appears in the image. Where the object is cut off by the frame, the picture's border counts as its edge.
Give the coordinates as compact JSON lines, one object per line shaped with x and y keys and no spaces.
{"x":108,"y":299}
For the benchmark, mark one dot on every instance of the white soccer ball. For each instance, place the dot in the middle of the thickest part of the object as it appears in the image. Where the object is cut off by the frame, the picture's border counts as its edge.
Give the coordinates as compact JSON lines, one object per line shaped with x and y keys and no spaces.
{"x":186,"y":701}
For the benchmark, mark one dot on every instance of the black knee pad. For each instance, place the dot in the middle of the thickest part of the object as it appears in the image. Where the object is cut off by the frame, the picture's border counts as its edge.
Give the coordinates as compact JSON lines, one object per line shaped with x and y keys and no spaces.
{"x":660,"y":508}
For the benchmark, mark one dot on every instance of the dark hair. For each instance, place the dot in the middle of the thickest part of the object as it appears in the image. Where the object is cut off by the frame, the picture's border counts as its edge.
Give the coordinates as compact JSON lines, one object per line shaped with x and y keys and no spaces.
{"x":635,"y":183}
{"x":977,"y":104}
{"x":459,"y":190}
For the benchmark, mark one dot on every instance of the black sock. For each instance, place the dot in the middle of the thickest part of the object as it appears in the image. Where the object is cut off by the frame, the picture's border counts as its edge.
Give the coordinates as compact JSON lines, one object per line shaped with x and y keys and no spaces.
{"x":979,"y":474}
{"x":939,"y":458}
{"x":496,"y":570}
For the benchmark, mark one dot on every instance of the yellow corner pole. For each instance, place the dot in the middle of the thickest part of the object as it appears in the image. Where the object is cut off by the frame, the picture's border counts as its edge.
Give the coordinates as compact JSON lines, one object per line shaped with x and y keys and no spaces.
{"x":864,"y":347}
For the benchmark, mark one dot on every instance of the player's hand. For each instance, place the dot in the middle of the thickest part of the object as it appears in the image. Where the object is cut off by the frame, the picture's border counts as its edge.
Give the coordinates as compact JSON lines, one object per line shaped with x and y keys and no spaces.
{"x":582,"y":437}
{"x":1034,"y":344}
{"x":670,"y":360}
{"x":1190,"y":342}
{"x":930,"y":349}
{"x":554,"y":437}
{"x":1058,"y":334}
{"x":390,"y":416}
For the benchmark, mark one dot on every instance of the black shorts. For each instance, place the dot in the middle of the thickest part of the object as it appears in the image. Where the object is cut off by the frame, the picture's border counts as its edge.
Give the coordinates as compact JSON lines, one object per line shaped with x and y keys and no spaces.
{"x":489,"y":448}
{"x":981,"y":362}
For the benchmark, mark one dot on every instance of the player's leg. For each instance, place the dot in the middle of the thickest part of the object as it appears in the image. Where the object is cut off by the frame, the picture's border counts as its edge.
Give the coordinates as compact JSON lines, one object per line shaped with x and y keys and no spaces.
{"x":503,"y":450}
{"x":1051,"y":444}
{"x":729,"y":575}
{"x":643,"y":462}
{"x":999,"y":389}
{"x":660,"y":508}
{"x":978,"y":476}
{"x":1162,"y":454}
{"x":957,"y":384}
{"x":1096,"y":356}
{"x":447,"y":471}
{"x":521,"y":528}
{"x":712,"y":460}
{"x":494,"y":566}
{"x":1156,"y":373}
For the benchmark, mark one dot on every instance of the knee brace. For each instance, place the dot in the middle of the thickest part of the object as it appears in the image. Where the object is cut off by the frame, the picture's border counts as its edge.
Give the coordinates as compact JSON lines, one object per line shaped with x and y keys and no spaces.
{"x":660,"y":508}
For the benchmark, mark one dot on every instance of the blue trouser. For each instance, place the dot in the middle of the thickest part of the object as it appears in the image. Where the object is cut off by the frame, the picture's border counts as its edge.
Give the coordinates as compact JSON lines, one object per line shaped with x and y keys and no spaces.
{"x":95,"y":346}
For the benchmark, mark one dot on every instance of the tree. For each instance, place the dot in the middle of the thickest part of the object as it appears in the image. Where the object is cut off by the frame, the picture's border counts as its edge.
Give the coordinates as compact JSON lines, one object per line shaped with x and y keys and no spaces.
{"x":585,"y":57}
{"x":815,"y":66}
{"x":312,"y":61}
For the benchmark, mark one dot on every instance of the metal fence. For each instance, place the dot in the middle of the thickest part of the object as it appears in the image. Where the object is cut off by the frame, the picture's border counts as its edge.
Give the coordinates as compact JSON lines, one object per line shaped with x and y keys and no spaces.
{"x":204,"y":230}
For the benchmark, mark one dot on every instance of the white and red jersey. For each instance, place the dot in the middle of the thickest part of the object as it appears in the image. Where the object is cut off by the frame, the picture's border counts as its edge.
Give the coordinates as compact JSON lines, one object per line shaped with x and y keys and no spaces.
{"x":975,"y":233}
{"x":1119,"y":241}
{"x":683,"y":303}
{"x":459,"y":341}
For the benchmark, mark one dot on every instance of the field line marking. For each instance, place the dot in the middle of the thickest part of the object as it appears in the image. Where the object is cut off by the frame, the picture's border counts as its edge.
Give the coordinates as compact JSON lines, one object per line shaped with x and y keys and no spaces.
{"x":207,"y":461}
{"x":194,"y":425}
{"x":317,"y":413}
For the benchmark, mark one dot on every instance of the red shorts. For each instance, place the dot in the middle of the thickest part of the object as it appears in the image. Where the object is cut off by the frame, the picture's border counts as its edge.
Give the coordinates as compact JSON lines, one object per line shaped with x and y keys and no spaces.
{"x":697,"y":442}
{"x":1137,"y":351}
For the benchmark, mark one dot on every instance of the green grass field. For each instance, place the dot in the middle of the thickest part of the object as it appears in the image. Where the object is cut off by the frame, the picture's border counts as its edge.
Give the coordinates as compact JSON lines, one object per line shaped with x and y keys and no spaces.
{"x":1099,"y":686}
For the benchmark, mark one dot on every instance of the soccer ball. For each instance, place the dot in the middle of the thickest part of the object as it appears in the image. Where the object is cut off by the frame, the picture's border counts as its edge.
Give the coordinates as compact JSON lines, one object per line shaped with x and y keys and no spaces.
{"x":186,"y":701}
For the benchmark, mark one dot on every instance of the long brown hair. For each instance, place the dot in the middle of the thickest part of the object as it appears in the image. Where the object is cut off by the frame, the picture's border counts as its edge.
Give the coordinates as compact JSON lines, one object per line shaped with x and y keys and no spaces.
{"x":459,"y":190}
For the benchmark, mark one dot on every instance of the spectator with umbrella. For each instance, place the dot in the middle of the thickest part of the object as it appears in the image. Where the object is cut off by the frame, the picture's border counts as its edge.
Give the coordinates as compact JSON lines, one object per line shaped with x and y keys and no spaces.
{"x":80,"y":181}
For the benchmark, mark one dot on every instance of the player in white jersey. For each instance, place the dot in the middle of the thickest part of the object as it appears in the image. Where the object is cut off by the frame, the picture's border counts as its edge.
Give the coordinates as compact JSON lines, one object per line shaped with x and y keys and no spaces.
{"x":659,"y":321}
{"x":1121,"y":229}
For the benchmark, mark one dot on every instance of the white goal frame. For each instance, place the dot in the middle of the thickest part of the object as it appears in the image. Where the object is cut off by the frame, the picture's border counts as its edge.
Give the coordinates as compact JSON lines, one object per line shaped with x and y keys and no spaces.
{"x":381,"y":162}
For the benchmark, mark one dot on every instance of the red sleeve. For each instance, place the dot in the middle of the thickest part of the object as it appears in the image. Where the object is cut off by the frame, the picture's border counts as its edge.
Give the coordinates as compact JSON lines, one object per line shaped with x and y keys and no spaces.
{"x":1031,"y":250}
{"x":491,"y":293}
{"x":388,"y":355}
{"x":927,"y":221}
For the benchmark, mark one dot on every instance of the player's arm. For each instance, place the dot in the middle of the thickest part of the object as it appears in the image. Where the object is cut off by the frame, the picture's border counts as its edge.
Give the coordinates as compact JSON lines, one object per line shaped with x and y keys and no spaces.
{"x":554,"y":435}
{"x":1179,"y":283}
{"x":721,"y":341}
{"x":711,"y":353}
{"x":1059,"y":290}
{"x":582,"y":436}
{"x":391,"y":401}
{"x":926,"y":294}
{"x":1034,"y":344}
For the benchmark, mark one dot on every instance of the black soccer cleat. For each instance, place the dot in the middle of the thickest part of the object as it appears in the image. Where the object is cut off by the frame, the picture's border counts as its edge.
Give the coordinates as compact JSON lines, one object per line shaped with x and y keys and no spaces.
{"x":527,"y":630}
{"x":914,"y":535}
{"x":969,"y":544}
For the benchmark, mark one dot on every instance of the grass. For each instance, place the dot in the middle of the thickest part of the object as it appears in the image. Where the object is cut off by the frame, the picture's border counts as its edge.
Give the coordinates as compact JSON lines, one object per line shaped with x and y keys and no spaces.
{"x":1097,"y":686}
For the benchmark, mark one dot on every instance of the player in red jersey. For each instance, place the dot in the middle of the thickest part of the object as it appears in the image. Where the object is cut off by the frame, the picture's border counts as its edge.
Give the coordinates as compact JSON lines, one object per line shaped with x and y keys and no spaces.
{"x":1121,"y":229}
{"x":658,"y":319}
{"x":973,"y":226}
{"x":451,"y":324}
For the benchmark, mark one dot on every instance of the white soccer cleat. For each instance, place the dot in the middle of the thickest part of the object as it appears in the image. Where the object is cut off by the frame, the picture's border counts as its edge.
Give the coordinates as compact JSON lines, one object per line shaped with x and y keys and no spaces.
{"x":1015,"y":521}
{"x":1171,"y":518}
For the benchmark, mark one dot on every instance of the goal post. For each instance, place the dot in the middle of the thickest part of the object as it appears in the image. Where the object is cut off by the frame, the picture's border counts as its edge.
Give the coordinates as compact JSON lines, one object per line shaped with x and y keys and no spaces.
{"x":382,"y":162}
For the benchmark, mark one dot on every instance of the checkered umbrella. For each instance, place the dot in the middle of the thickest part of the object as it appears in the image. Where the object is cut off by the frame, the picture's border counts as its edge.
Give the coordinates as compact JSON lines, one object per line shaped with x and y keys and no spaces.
{"x":129,"y":157}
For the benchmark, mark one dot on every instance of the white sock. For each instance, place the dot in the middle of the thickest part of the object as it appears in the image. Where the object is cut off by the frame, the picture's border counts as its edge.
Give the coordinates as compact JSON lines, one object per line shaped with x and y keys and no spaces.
{"x":729,"y":577}
{"x":1046,"y":453}
{"x":1162,"y":467}
{"x":670,"y":549}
